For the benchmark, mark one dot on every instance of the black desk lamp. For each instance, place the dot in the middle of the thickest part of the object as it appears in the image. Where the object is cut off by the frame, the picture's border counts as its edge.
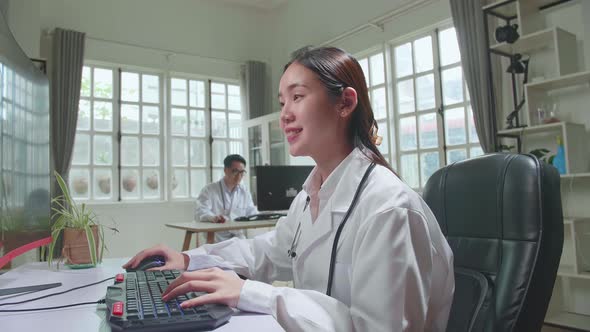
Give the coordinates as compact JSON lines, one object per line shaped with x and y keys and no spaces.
{"x":517,"y":66}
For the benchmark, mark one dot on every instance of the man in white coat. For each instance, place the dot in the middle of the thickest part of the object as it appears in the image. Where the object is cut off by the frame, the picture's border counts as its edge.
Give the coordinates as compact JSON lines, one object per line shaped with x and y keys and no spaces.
{"x":226,"y":199}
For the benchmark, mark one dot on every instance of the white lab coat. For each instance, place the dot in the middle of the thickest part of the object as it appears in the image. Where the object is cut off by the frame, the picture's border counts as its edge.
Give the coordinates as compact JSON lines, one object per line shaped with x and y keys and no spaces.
{"x":393,"y":272}
{"x":210,"y":203}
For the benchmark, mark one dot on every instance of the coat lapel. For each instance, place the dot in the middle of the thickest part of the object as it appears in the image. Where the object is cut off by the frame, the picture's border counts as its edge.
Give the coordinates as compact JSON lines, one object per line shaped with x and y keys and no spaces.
{"x":322,"y":232}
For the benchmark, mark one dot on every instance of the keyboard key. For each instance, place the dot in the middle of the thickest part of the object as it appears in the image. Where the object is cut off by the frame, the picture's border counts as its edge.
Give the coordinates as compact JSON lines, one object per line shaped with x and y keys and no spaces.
{"x":132,"y":316}
{"x":117,"y":309}
{"x":143,"y":307}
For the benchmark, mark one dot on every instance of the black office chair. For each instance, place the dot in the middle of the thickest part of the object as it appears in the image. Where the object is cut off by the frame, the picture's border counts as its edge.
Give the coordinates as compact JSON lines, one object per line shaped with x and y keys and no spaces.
{"x":501,"y":214}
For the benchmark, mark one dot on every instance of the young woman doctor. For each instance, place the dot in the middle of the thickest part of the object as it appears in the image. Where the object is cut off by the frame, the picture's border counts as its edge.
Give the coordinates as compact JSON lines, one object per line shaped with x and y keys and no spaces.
{"x":364,"y":251}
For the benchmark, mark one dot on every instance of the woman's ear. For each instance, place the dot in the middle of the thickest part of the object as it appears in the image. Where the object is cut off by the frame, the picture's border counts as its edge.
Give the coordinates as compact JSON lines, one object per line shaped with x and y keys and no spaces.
{"x":348,"y":102}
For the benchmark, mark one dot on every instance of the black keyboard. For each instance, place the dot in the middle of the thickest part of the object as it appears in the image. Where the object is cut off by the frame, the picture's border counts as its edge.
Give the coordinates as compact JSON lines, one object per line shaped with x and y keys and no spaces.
{"x":260,"y":216}
{"x":135,"y":303}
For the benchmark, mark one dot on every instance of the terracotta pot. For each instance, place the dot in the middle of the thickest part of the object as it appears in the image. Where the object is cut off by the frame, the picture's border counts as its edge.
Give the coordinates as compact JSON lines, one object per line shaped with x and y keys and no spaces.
{"x":104,"y":183}
{"x":152,"y":181}
{"x":129,"y":182}
{"x":80,"y":186}
{"x":75,"y":248}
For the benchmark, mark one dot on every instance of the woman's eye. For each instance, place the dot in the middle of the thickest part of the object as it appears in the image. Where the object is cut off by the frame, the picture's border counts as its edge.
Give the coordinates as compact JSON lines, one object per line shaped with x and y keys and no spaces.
{"x":296,"y":97}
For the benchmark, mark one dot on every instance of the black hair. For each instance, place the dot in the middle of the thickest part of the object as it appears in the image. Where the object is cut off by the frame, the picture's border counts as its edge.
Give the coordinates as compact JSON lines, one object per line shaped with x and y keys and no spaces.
{"x":231,"y":158}
{"x":336,"y":69}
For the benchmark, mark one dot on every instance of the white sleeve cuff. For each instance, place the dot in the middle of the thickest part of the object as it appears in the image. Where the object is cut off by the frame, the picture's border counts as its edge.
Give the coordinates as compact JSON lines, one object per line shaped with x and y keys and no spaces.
{"x":207,"y":218}
{"x":256,"y":296}
{"x":199,"y":259}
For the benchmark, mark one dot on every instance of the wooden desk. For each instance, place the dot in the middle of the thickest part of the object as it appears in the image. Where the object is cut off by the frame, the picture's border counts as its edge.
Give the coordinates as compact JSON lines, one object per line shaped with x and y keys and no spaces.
{"x":210,"y":228}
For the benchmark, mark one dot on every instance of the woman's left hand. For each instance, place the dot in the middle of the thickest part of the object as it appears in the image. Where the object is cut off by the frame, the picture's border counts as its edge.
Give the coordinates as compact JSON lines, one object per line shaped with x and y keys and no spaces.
{"x":222,"y":287}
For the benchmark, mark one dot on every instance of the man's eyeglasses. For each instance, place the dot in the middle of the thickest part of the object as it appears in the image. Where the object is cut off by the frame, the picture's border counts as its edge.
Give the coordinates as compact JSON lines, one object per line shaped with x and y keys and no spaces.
{"x":235,"y":171}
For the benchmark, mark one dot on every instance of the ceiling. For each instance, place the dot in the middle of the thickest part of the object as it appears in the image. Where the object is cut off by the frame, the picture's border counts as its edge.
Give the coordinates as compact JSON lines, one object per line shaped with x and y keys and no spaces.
{"x":262,"y":4}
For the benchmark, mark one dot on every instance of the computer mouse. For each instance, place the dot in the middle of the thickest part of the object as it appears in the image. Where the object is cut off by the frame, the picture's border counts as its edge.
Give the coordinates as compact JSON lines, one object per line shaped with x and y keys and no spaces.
{"x":148,"y":263}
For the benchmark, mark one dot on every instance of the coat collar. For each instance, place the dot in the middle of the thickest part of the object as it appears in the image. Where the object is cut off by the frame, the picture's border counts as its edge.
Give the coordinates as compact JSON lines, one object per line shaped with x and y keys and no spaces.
{"x":335,"y":194}
{"x":226,"y":189}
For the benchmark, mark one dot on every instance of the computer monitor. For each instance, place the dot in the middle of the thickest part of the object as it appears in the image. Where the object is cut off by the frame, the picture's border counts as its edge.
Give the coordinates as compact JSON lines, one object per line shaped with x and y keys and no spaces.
{"x":24,"y":151}
{"x":277,"y":186}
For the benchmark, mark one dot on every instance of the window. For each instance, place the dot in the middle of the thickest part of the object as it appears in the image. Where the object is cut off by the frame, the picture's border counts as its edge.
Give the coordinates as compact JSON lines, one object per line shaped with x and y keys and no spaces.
{"x":425,"y":78}
{"x":24,"y":122}
{"x":126,"y":139}
{"x":200,"y":139}
{"x":226,"y":124}
{"x":428,"y":78}
{"x":374,"y":70}
{"x":141,"y":134}
{"x":93,"y":159}
{"x":188,"y":130}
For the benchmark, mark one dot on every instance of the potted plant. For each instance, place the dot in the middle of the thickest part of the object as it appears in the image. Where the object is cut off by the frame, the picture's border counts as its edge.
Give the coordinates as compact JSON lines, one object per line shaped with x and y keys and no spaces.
{"x":83,"y":237}
{"x":543,"y":155}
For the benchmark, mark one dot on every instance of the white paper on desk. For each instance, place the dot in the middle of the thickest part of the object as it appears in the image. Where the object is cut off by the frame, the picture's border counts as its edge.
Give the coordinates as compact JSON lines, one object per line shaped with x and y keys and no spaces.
{"x":38,"y":273}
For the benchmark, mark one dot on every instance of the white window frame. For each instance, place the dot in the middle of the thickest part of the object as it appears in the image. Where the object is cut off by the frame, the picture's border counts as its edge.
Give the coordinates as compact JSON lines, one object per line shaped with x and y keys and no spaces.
{"x":217,"y":170}
{"x":140,"y":136}
{"x":387,"y":147}
{"x":165,"y":167}
{"x":206,"y":110}
{"x":212,"y":170}
{"x":91,"y":167}
{"x":394,"y":153}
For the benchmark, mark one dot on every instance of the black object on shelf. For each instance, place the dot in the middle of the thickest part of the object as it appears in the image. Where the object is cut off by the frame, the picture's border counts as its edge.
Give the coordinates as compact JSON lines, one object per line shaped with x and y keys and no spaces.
{"x":507,"y":33}
{"x":517,"y":66}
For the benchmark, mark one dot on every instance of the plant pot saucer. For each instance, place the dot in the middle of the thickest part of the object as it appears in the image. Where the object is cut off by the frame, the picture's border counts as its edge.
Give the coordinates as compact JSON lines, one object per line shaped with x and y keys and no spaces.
{"x":80,"y":266}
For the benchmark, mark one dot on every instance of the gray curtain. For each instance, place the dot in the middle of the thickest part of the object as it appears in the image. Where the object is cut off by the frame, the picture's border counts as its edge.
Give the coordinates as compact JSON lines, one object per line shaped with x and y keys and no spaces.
{"x":66,"y":76}
{"x":468,"y":19}
{"x":254,"y":89}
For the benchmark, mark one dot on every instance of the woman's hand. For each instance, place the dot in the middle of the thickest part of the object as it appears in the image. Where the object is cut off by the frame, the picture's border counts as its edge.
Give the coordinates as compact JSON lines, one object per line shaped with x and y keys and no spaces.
{"x":221,"y":286}
{"x":174,"y":259}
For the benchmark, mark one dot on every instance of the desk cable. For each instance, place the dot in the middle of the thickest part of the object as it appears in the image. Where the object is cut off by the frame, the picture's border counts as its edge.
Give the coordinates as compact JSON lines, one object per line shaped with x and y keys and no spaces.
{"x":53,"y":294}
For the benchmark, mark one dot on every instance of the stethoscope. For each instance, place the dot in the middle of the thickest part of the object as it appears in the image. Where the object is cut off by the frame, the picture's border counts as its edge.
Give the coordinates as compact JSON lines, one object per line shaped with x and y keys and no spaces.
{"x":291,"y":253}
{"x":231,"y":203}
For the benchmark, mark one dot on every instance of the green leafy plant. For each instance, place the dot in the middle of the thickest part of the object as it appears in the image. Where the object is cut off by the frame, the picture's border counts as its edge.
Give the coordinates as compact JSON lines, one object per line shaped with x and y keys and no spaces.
{"x":506,"y":148}
{"x":67,"y":214}
{"x":543,"y":155}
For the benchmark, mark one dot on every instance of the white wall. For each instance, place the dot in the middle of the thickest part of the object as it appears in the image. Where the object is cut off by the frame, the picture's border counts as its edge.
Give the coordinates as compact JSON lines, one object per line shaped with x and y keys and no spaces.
{"x":310,"y":22}
{"x":23,"y":18}
{"x":207,"y":37}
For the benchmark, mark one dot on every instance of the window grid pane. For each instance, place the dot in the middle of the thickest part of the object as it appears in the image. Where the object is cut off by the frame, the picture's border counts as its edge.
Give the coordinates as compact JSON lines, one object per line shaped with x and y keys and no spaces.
{"x":190,"y":149}
{"x":140,"y":140}
{"x":226,"y":125}
{"x":417,"y":74}
{"x":373,"y":67}
{"x":95,"y":160}
{"x":91,"y":175}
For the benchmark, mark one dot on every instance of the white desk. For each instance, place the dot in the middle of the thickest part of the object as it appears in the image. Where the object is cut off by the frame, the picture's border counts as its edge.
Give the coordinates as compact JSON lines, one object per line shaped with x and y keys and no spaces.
{"x":210,"y":228}
{"x":87,"y":317}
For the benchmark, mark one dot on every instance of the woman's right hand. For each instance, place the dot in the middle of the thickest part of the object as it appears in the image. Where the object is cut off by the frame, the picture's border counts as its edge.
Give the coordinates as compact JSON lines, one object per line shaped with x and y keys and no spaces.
{"x":174,"y":259}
